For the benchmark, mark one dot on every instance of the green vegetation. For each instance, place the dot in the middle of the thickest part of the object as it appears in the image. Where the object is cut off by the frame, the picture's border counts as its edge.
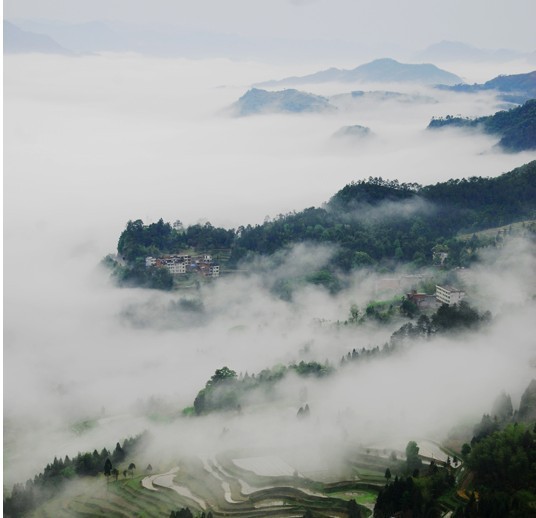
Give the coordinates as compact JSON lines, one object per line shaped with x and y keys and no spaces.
{"x":497,"y":478}
{"x":415,"y":496}
{"x":56,"y":475}
{"x":503,"y":466}
{"x":447,"y":319}
{"x":226,"y":391}
{"x":527,"y":406}
{"x":517,"y":127}
{"x":374,"y":224}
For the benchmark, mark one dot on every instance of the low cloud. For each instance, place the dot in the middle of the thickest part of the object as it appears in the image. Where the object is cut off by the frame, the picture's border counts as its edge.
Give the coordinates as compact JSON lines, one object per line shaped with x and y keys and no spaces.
{"x":96,"y":141}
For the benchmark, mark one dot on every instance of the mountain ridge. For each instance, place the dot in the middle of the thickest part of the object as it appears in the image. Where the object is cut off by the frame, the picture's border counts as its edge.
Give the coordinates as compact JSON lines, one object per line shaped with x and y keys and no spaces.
{"x":380,"y":70}
{"x":18,"y":41}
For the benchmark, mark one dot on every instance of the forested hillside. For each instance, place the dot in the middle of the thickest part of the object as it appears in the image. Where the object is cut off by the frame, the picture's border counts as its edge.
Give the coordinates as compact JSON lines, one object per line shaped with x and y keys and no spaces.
{"x":517,"y":127}
{"x":370,"y":222}
{"x":516,"y":88}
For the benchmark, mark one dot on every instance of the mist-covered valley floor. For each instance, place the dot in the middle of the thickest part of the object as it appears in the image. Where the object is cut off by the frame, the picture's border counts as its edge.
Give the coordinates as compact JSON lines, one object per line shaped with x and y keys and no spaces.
{"x":93,"y":142}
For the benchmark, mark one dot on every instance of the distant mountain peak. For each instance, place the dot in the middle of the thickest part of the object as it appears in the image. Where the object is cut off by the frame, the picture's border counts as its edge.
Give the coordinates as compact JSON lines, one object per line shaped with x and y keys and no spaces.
{"x":382,"y":70}
{"x":18,"y":41}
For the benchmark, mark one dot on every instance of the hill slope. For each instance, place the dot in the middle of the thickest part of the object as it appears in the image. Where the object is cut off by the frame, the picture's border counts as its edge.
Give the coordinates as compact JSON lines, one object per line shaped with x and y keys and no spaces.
{"x":257,"y":101}
{"x":517,"y":127}
{"x":365,"y":223}
{"x":516,"y":88}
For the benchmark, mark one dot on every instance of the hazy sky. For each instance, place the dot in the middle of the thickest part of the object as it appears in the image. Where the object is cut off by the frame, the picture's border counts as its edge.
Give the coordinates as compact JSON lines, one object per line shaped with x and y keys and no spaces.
{"x":384,"y":24}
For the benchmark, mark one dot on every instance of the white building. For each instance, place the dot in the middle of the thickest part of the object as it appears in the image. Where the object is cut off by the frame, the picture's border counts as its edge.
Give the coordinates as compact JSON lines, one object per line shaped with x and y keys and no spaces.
{"x":176,"y":268}
{"x":449,"y":295}
{"x":181,"y":258}
{"x":150,"y":261}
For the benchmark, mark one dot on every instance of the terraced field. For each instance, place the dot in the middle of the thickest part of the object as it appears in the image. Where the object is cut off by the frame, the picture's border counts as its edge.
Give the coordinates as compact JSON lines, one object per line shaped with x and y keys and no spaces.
{"x":218,"y":485}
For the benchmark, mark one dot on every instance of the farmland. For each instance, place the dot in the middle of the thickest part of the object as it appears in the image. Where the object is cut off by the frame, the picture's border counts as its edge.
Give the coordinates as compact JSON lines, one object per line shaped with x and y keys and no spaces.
{"x":229,"y":485}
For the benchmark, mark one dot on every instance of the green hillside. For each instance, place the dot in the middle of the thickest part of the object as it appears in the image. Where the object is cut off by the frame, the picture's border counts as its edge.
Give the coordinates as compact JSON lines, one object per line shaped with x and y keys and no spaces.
{"x":517,"y":127}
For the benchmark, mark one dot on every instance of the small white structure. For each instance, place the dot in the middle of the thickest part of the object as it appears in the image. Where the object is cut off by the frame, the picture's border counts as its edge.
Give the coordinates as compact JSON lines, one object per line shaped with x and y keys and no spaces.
{"x":449,"y":295}
{"x":150,"y":261}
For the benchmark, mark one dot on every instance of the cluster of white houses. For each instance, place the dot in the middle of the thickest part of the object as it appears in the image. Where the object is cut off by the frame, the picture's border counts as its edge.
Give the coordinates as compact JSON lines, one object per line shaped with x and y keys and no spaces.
{"x":444,"y":295}
{"x":181,"y":264}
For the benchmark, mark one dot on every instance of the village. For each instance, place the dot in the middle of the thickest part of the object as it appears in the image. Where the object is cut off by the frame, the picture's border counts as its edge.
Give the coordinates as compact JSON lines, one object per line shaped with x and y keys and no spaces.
{"x":182,"y":264}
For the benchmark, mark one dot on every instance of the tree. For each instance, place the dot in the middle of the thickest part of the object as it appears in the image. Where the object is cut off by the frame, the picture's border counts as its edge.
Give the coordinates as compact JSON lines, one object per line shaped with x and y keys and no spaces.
{"x":353,"y":509}
{"x":118,"y":455}
{"x":466,"y":450}
{"x":115,"y":473}
{"x":354,"y":314}
{"x":502,"y":407}
{"x":131,"y":468}
{"x":409,"y":308}
{"x":222,"y":374}
{"x":413,"y":461}
{"x":107,"y":467}
{"x":388,"y":474}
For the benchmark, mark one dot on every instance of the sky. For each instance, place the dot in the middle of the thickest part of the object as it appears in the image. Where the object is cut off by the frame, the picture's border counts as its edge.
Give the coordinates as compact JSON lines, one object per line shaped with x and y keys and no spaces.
{"x":381,"y":26}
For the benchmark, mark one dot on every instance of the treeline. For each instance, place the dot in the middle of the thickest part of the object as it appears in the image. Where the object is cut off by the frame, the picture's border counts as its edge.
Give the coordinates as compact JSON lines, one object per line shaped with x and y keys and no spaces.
{"x":49,"y":483}
{"x":138,"y":241}
{"x":517,"y":127}
{"x":225,"y":390}
{"x":374,"y":223}
{"x":447,"y":319}
{"x":416,"y":496}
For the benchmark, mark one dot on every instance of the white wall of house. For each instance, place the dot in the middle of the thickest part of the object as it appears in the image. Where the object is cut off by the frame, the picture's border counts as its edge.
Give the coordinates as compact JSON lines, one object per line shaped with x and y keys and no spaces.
{"x":449,"y":295}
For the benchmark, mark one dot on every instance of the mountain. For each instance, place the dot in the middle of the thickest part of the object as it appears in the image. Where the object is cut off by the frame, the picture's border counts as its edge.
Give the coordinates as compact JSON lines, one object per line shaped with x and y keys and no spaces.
{"x":354,"y":132}
{"x":517,"y":127}
{"x":380,"y":70}
{"x":17,"y":41}
{"x":458,"y":51}
{"x":175,"y":39}
{"x":373,"y":221}
{"x":257,"y":101}
{"x":516,"y":88}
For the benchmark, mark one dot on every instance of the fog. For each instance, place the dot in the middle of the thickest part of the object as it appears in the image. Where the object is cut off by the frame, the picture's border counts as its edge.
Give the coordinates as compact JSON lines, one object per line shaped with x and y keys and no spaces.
{"x":92,"y":142}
